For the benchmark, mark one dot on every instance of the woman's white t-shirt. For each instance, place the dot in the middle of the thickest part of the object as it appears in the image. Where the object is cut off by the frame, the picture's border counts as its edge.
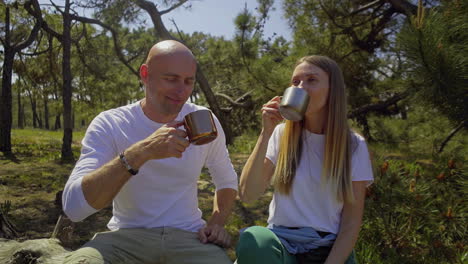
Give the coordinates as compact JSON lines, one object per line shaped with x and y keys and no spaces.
{"x":310,"y":203}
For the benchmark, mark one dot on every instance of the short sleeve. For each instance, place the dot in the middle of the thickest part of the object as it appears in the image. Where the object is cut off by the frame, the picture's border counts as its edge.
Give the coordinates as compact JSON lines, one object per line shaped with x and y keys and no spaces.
{"x":273,"y":144}
{"x":361,"y":163}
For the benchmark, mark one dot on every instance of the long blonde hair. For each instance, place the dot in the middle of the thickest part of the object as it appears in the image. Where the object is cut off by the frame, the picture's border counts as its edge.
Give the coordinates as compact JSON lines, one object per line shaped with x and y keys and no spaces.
{"x":338,"y":140}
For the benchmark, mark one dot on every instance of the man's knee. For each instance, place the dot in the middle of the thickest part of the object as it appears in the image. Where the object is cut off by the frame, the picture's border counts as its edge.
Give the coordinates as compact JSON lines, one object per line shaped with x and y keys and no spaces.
{"x":84,"y":256}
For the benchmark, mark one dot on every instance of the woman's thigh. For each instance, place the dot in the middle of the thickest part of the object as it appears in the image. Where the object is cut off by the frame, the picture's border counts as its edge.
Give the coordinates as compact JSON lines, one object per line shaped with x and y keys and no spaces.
{"x":260,"y":245}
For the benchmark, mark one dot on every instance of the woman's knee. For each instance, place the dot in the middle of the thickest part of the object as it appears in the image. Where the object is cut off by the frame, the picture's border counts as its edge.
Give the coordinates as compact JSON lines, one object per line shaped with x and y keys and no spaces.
{"x":257,"y":241}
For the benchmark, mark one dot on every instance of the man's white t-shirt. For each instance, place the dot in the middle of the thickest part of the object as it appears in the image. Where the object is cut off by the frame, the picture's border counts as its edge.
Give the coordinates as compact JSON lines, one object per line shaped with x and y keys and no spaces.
{"x":164,"y":192}
{"x":311,"y":204}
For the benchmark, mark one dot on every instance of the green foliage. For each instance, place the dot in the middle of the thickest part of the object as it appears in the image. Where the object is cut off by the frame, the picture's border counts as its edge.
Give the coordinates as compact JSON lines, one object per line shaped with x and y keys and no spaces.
{"x":436,"y":46}
{"x":244,"y":144}
{"x":415,"y":212}
{"x":421,"y":131}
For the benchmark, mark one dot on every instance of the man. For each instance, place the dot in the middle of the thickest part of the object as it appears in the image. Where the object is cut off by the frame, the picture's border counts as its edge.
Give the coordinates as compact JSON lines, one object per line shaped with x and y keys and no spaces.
{"x":155,"y":212}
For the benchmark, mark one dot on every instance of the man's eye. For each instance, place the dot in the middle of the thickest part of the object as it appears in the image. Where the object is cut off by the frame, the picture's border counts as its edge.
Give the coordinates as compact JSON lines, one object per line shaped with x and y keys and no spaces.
{"x":311,"y":79}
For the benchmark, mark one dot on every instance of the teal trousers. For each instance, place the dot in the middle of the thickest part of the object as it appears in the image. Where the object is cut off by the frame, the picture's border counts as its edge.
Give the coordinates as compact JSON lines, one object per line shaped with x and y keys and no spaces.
{"x":260,"y":245}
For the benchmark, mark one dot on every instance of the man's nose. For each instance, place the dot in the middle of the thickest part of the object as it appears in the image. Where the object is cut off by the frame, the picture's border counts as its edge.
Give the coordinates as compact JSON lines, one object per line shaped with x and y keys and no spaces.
{"x":182,"y":89}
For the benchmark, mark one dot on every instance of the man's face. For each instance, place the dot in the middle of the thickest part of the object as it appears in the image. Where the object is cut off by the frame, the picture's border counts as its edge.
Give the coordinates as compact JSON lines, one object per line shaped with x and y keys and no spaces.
{"x":169,"y":81}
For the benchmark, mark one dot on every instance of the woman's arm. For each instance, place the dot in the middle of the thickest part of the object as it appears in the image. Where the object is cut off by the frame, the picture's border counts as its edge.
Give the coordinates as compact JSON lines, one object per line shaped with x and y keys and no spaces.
{"x":257,"y":172}
{"x":351,"y":219}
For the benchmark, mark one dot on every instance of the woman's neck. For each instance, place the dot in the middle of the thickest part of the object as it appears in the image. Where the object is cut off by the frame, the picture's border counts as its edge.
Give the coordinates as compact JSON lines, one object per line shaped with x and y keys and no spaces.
{"x":316,"y":122}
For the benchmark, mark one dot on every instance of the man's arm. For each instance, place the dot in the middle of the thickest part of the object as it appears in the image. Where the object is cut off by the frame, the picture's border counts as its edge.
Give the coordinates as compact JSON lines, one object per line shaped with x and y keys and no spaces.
{"x":225,"y":179}
{"x":214,"y":231}
{"x":102,"y":185}
{"x":96,"y":189}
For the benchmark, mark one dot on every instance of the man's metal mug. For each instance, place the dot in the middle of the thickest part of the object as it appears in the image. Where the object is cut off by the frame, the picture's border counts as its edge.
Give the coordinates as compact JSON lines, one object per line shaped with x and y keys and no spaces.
{"x":294,"y":103}
{"x":200,"y":127}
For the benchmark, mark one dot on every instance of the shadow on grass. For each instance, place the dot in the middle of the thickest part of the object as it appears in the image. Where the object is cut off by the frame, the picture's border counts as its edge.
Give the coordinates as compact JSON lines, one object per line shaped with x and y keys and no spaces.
{"x":11,"y":157}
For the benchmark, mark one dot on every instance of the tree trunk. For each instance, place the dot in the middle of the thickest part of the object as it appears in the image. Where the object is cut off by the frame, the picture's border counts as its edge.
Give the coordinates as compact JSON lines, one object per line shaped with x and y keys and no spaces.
{"x":6,"y":99}
{"x":163,"y":33}
{"x":57,"y":125}
{"x":39,"y":116}
{"x":67,"y":154}
{"x":6,"y":115}
{"x":20,"y":110}
{"x":46,"y":113}
{"x":35,"y":117}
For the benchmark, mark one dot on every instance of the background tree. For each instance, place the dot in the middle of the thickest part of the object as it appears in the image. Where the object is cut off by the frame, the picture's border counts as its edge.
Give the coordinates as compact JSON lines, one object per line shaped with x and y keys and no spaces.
{"x":13,"y":41}
{"x":435,"y":44}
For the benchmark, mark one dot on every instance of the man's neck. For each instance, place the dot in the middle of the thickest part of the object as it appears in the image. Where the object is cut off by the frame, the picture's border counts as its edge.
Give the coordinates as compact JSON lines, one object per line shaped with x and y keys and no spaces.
{"x":154,"y":115}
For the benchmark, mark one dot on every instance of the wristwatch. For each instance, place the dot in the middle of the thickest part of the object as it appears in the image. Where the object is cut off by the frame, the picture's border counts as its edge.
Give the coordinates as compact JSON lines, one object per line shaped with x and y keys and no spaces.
{"x":125,"y":163}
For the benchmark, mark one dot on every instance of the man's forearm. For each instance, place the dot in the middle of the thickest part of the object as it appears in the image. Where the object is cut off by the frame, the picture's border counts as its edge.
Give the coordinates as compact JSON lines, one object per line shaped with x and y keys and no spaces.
{"x":222,"y":206}
{"x":102,"y":185}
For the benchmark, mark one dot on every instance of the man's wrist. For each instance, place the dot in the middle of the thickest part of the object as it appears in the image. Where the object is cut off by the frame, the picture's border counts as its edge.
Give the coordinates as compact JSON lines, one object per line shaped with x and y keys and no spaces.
{"x":135,"y":156}
{"x":129,"y":167}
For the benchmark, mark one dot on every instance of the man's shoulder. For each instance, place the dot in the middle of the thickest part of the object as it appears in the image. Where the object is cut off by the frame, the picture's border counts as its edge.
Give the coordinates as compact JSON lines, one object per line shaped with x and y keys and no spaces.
{"x":110,"y":117}
{"x":121,"y":112}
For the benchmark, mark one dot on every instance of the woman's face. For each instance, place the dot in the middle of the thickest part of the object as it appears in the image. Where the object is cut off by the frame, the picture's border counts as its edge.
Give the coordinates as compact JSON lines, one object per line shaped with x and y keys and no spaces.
{"x":316,"y":82}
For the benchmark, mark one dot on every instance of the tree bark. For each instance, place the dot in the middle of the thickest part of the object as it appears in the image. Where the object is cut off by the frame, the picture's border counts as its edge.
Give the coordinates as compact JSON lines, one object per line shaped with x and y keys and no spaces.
{"x":35,"y":116}
{"x":6,"y":115}
{"x":67,"y":153}
{"x":6,"y":103}
{"x":57,"y":124}
{"x":6,"y":97}
{"x":46,"y":112}
{"x":451,"y":134}
{"x":380,"y":107}
{"x":20,"y":110}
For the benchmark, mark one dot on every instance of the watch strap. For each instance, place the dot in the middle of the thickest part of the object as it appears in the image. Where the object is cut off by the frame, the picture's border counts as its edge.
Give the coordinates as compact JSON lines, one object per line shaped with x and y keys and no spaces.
{"x":127,"y":166}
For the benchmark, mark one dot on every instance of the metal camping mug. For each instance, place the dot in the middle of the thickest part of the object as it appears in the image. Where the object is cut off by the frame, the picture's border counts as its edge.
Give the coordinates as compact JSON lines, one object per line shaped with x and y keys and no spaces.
{"x":200,"y":127}
{"x":294,"y":103}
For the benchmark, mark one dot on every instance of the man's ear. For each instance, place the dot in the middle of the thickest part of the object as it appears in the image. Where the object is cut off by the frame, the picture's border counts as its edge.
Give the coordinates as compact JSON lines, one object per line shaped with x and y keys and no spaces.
{"x":144,"y":73}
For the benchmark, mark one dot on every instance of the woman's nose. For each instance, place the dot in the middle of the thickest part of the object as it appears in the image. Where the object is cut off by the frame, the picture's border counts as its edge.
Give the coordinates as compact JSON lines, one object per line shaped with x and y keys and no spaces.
{"x":300,"y":84}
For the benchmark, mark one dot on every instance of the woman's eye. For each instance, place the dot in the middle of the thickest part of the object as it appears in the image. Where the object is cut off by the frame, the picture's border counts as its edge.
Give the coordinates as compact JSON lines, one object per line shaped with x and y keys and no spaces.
{"x":295,"y":82}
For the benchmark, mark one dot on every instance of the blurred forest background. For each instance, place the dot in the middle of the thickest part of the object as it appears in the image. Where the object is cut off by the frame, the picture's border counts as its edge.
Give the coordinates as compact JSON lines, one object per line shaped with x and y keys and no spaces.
{"x":405,"y":67}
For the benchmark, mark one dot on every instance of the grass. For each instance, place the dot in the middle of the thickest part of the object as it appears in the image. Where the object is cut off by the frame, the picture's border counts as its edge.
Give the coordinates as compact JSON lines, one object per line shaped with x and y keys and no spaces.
{"x":415,"y":211}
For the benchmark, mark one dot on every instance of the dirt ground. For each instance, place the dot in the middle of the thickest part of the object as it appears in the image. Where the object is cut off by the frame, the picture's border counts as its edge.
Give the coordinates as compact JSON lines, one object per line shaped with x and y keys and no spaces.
{"x":31,"y":188}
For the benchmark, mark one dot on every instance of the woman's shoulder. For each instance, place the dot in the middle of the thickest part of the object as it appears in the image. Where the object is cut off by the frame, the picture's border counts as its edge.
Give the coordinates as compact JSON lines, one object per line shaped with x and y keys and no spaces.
{"x":357,"y":141}
{"x":279,"y":129}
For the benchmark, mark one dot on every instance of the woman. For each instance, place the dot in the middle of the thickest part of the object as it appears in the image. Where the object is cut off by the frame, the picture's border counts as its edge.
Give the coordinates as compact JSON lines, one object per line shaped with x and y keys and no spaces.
{"x":319,"y":169}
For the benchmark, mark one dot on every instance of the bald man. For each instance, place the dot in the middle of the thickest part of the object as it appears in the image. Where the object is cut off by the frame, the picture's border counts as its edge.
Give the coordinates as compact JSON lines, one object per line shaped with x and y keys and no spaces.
{"x":138,"y":159}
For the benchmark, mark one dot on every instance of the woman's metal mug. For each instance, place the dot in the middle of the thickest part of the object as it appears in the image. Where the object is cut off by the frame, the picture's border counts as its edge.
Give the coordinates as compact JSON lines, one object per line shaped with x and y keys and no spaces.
{"x":294,"y":103}
{"x":200,"y":127}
